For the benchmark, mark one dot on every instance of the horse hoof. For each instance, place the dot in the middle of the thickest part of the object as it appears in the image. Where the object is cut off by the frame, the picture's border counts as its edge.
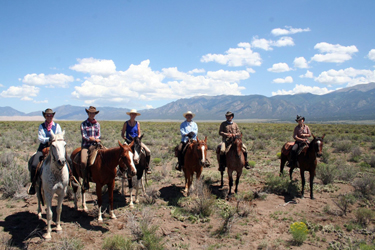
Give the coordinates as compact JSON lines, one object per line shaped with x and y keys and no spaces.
{"x":47,"y":236}
{"x":136,"y":201}
{"x":39,"y":216}
{"x":58,"y":229}
{"x":131,"y":205}
{"x":100,"y":220}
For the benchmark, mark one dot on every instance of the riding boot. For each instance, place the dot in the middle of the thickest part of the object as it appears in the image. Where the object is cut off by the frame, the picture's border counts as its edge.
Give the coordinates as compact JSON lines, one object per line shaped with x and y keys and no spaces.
{"x":148,"y":169}
{"x":247,"y":166}
{"x":292,"y":161}
{"x":31,"y":190}
{"x":86,"y":185}
{"x":180,"y":161}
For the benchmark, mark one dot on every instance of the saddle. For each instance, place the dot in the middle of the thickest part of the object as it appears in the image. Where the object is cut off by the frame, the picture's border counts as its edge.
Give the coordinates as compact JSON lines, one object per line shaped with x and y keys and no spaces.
{"x":289,"y":145}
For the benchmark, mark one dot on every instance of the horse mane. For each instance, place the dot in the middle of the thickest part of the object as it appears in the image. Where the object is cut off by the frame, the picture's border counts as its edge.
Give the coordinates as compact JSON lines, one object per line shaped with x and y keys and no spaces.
{"x":109,"y":153}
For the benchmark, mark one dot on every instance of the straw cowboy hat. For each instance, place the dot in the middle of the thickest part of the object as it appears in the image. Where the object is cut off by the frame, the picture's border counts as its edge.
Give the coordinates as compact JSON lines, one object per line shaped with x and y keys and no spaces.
{"x":188,"y":113}
{"x":228,"y":113}
{"x":92,"y":110}
{"x":48,"y":111}
{"x":300,"y":117}
{"x":133,"y":111}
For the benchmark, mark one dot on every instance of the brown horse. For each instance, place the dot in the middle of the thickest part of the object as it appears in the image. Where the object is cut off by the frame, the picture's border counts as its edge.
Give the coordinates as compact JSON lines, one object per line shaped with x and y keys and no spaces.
{"x":306,"y":161}
{"x":235,"y":161}
{"x":194,"y":160}
{"x":103,"y":172}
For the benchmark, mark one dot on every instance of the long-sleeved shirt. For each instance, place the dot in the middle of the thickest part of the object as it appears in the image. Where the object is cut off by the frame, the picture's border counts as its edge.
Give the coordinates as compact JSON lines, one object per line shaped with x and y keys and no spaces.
{"x":44,"y":134}
{"x":298,"y":131}
{"x":88,"y":130}
{"x":187,"y":127}
{"x":228,"y":128}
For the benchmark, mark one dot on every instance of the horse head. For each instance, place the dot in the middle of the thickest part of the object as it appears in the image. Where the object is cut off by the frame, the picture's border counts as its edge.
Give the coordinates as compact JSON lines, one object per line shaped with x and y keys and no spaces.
{"x":137,"y":146}
{"x":201,"y":147}
{"x":57,"y":148}
{"x":126,"y":158}
{"x":236,"y":142}
{"x":317,"y":144}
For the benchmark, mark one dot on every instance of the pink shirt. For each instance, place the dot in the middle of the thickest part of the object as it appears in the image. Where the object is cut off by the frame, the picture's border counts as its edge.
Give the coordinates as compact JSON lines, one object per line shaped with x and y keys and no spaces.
{"x":298,"y":131}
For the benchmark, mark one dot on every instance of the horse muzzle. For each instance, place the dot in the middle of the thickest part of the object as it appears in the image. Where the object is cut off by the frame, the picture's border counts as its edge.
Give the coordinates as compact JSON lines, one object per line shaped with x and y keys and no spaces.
{"x":61,"y":164}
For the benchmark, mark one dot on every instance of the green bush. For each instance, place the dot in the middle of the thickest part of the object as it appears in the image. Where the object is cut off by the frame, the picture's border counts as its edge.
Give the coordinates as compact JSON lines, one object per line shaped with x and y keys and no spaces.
{"x":156,"y":161}
{"x":281,"y":185}
{"x":364,"y":216}
{"x":342,"y":146}
{"x":326,"y":173}
{"x":365,"y":185}
{"x":346,"y":172}
{"x":344,"y":201}
{"x":117,"y":242}
{"x":299,"y":232}
{"x":12,"y":180}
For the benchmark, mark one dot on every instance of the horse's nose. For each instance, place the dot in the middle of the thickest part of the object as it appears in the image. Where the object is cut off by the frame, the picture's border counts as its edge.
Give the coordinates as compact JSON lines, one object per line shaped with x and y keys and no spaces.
{"x":62,"y":163}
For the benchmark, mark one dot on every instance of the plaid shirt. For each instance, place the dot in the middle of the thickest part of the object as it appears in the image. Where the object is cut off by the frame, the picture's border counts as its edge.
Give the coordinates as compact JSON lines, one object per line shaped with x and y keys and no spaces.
{"x":88,"y":130}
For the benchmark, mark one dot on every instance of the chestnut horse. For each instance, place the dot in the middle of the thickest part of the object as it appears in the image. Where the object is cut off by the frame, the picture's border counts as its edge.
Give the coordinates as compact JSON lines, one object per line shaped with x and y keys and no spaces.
{"x":103,"y":172}
{"x":194,"y":160}
{"x":140,"y":164}
{"x":306,"y":161}
{"x":235,"y":161}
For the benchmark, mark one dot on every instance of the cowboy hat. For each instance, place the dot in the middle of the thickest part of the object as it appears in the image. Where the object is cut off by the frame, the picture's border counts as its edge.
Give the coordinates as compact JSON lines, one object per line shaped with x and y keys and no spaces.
{"x":92,"y":110}
{"x":48,"y":111}
{"x":133,"y":111}
{"x":228,"y":113}
{"x":300,"y":117}
{"x":188,"y":113}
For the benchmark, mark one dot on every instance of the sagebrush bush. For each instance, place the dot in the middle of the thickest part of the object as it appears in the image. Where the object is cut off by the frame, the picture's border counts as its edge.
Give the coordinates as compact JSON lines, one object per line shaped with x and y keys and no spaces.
{"x":68,"y":244}
{"x":356,"y":154}
{"x":326,"y":173}
{"x":346,"y":172}
{"x":371,"y":161}
{"x":344,"y":201}
{"x":365,"y":185}
{"x":118,"y":242}
{"x":364,"y":216}
{"x":342,"y":146}
{"x":281,"y":185}
{"x":12,"y":181}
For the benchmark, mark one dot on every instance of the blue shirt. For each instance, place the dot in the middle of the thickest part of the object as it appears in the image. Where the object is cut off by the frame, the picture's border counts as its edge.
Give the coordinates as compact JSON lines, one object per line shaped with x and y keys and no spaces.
{"x":187,"y":127}
{"x":133,"y":131}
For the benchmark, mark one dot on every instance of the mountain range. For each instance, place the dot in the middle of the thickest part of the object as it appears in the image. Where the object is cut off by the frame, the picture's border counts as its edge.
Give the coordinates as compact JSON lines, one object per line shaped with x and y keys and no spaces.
{"x":353,"y":103}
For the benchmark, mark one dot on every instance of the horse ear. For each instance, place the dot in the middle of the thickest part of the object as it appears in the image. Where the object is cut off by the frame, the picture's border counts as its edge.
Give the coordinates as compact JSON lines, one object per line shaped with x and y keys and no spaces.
{"x":63,"y":133}
{"x":205,"y":139}
{"x":197,"y":138}
{"x":119,"y":143}
{"x":131,"y":144}
{"x":131,"y":137}
{"x":313,"y":136}
{"x":323,"y":136}
{"x":140,"y":138}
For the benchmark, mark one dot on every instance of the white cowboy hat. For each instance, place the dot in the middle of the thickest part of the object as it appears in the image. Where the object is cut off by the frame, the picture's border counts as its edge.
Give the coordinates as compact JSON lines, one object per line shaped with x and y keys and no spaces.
{"x":189,"y":113}
{"x":133,"y":111}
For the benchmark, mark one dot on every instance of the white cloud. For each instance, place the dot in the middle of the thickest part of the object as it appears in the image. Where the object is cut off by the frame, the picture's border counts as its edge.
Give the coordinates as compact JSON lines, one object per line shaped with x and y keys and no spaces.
{"x":1,"y":85}
{"x":265,"y":44}
{"x":196,"y":71}
{"x":300,"y":62}
{"x":45,"y":101}
{"x":299,"y":89}
{"x":349,"y":76}
{"x":371,"y":55}
{"x":94,"y":66}
{"x":235,"y":57}
{"x":142,"y":83}
{"x":149,"y":107}
{"x":287,"y":79}
{"x":288,"y":31}
{"x":23,"y":92}
{"x":334,"y":53}
{"x":308,"y":74}
{"x":56,"y":80}
{"x":279,"y":67}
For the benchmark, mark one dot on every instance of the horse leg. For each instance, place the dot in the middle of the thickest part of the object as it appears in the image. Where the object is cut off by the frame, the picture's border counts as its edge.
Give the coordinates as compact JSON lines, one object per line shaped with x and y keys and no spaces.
{"x":111,"y":186}
{"x":312,"y":175}
{"x":222,"y":179}
{"x":48,"y":201}
{"x":186,"y":181}
{"x":84,"y":207}
{"x":190,"y":181}
{"x":58,"y":211}
{"x":99,"y":195}
{"x":291,"y":172}
{"x":282,"y":164}
{"x":230,"y":177}
{"x":123,"y":185}
{"x":143,"y":186}
{"x":136,"y":191}
{"x":39,"y":195}
{"x":237,"y":181}
{"x":303,"y":182}
{"x":130,"y":183}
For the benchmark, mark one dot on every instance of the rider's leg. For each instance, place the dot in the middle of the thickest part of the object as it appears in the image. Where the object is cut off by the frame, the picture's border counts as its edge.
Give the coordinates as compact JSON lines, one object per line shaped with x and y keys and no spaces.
{"x":33,"y":172}
{"x":244,"y":150}
{"x":84,"y":169}
{"x":148,"y":158}
{"x":180,"y":156}
{"x":222,"y":156}
{"x":293,"y":155}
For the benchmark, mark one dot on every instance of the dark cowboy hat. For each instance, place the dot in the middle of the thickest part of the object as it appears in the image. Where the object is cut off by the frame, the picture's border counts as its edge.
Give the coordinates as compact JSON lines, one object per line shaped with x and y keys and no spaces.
{"x":48,"y":111}
{"x":300,"y":117}
{"x":92,"y":110}
{"x":228,"y":113}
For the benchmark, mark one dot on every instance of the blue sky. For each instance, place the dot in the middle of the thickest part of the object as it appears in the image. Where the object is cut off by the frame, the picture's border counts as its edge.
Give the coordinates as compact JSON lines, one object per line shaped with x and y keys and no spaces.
{"x":144,"y":54}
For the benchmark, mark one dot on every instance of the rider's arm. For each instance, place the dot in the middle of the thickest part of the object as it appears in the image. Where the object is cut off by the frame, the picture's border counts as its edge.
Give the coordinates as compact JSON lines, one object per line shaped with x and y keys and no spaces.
{"x":123,"y":131}
{"x":58,"y":129}
{"x":42,"y":135}
{"x":222,"y":130}
{"x":236,"y":130}
{"x":296,"y":135}
{"x":85,"y":137}
{"x":139,"y":129}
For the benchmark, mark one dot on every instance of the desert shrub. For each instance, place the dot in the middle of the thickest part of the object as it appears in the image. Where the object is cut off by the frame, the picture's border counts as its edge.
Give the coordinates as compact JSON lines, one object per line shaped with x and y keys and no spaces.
{"x":280,"y":185}
{"x":365,"y":185}
{"x":251,"y":164}
{"x":326,"y":173}
{"x":299,"y":232}
{"x":345,"y":171}
{"x":6,"y":159}
{"x":344,"y":146}
{"x":12,"y":180}
{"x":356,"y":154}
{"x":152,"y":194}
{"x":371,"y":161}
{"x":202,"y":203}
{"x":118,"y":242}
{"x":325,"y":156}
{"x":156,"y":161}
{"x":68,"y":244}
{"x":258,"y":145}
{"x":364,"y":216}
{"x":278,"y":155}
{"x":344,"y":201}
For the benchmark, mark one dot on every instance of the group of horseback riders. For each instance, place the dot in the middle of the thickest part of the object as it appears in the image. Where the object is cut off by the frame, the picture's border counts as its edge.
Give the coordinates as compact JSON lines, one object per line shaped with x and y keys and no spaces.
{"x":90,"y":132}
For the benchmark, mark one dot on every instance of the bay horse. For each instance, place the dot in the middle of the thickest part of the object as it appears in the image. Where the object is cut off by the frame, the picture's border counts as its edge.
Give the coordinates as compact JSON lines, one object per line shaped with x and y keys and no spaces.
{"x":54,"y":179}
{"x":235,"y":161}
{"x":103,"y":172}
{"x":140,"y":164}
{"x":194,"y":160}
{"x":307,"y":161}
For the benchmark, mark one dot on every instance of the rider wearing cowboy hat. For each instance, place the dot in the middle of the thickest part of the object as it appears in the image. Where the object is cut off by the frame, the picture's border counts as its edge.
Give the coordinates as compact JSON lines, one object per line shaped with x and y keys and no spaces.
{"x":189,"y":131}
{"x":300,"y":134}
{"x":90,"y":131}
{"x":229,"y":129}
{"x":44,"y":136}
{"x":132,"y":129}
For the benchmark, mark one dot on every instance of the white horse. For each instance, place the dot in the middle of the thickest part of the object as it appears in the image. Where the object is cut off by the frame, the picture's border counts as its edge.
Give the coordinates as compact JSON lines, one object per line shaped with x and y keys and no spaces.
{"x":54,"y":179}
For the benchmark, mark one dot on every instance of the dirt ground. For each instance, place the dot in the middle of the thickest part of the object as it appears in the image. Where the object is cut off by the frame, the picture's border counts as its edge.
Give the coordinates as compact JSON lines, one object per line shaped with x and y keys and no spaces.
{"x":265,"y":227}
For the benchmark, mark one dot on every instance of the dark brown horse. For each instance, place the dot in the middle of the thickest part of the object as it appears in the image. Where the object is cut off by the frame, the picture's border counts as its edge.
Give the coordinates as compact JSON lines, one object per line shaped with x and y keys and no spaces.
{"x":194,"y":160}
{"x":103,"y":172}
{"x":235,"y":161}
{"x":306,"y":161}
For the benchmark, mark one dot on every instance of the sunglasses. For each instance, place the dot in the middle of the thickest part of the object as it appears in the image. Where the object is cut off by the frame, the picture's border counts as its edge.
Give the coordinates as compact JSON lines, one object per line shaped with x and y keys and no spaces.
{"x":49,"y":115}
